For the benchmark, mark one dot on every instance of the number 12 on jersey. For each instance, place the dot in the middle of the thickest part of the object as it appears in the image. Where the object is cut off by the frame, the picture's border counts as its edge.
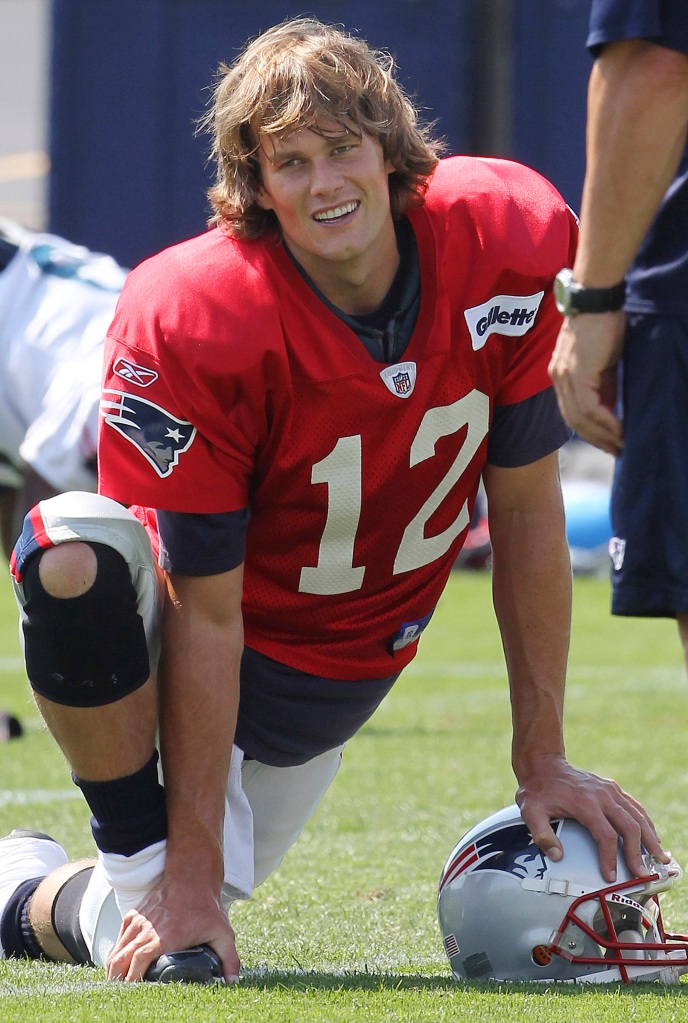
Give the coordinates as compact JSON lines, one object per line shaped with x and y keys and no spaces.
{"x":342,"y":471}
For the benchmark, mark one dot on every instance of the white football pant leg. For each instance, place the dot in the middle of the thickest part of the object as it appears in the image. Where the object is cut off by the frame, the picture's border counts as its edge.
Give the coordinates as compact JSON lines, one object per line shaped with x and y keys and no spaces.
{"x":265,"y":816}
{"x":282,"y":800}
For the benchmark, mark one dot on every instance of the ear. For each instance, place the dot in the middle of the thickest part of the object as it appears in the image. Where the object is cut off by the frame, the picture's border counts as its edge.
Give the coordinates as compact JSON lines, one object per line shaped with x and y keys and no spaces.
{"x":263,"y":199}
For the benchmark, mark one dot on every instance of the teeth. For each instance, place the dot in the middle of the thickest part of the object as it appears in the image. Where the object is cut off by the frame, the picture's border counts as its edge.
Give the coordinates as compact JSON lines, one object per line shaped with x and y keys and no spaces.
{"x":338,"y":211}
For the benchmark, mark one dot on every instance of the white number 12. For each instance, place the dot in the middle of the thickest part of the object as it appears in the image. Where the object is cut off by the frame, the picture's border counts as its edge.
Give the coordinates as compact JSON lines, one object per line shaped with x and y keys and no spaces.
{"x":342,"y":471}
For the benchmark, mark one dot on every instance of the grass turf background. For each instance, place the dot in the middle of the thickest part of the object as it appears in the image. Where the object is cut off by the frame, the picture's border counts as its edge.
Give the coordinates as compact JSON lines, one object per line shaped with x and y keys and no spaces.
{"x":346,"y":929}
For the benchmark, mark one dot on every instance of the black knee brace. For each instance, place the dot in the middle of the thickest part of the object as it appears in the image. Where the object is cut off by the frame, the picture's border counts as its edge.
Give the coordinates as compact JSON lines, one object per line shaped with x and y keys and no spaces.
{"x":90,"y":650}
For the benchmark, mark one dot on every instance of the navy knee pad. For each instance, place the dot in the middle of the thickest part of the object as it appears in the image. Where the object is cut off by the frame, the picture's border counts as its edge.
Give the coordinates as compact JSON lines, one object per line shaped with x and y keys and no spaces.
{"x":90,"y":650}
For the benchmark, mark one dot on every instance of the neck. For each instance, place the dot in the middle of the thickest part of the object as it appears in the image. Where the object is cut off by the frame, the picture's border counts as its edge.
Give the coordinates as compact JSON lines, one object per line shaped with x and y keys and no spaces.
{"x":358,"y":285}
{"x":358,"y":295}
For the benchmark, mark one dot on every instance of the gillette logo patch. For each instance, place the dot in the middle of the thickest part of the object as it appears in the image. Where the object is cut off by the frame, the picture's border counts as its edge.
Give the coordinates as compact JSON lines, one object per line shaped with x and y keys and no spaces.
{"x":511,"y":315}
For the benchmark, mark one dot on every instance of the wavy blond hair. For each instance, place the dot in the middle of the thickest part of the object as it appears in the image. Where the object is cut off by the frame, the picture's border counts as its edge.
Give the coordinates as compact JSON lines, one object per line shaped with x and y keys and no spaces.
{"x":290,"y":77}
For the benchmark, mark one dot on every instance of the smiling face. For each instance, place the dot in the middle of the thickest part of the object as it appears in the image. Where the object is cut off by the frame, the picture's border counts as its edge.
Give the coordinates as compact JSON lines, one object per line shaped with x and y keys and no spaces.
{"x":329,"y":190}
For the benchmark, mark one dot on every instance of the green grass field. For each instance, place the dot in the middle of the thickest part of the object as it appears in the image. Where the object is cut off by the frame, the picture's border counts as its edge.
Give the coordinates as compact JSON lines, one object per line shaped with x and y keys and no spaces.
{"x":346,"y":929}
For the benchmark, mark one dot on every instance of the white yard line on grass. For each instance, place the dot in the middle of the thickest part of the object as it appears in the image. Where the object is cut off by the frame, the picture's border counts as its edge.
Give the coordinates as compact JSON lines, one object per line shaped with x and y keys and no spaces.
{"x":67,"y":987}
{"x":664,"y":676}
{"x":29,"y":797}
{"x":9,"y":664}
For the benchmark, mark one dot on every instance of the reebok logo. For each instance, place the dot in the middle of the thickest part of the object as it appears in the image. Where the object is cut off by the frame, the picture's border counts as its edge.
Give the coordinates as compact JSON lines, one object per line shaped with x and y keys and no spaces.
{"x":511,"y":315}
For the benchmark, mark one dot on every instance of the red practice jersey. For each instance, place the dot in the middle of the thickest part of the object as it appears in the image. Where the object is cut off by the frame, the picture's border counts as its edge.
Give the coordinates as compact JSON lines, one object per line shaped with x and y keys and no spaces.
{"x":228,"y":383}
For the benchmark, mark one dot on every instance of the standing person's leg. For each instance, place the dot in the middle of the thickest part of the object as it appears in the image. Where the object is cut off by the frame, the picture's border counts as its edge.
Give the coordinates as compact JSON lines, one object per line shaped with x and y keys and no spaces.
{"x":649,"y":548}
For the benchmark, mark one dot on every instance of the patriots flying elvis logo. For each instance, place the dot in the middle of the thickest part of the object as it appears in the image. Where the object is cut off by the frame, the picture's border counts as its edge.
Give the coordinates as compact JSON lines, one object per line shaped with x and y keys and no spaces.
{"x":510,"y":849}
{"x":160,"y":437}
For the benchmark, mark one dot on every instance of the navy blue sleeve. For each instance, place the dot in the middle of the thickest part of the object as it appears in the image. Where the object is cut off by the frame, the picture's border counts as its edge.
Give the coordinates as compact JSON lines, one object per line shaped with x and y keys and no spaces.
{"x":202,"y":544}
{"x":528,"y":430}
{"x":661,"y":21}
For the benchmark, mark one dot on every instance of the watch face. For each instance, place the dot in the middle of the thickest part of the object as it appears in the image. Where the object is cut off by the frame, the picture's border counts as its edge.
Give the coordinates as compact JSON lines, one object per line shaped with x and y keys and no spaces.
{"x":561,"y":291}
{"x":572,"y":298}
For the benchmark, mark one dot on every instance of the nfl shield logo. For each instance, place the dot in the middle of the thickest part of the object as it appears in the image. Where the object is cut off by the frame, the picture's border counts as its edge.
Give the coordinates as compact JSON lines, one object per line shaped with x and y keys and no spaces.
{"x":402,"y":383}
{"x":400,"y":379}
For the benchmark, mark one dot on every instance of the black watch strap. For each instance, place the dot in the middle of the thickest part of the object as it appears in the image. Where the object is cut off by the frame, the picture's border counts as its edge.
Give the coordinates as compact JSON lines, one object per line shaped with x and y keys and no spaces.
{"x":572,"y":297}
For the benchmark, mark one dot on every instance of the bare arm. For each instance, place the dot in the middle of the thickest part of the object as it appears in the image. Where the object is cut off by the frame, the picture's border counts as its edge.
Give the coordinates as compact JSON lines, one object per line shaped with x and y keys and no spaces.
{"x":636,"y":135}
{"x":199,"y":695}
{"x":532,"y":598}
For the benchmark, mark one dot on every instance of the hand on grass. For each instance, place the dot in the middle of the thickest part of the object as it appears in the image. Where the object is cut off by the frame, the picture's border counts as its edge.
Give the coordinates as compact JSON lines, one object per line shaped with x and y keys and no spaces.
{"x":169,"y":920}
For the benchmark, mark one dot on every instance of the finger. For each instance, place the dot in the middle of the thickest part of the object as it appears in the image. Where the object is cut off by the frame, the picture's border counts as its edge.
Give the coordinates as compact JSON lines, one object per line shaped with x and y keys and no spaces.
{"x":596,"y":424}
{"x":637,"y":831}
{"x":622,"y":820}
{"x":231,"y":964}
{"x":118,"y":964}
{"x":646,"y":822}
{"x":542,"y":833}
{"x":641,"y":837}
{"x":140,"y":961}
{"x":604,"y":833}
{"x":607,"y":838}
{"x":585,"y":412}
{"x":601,"y":437}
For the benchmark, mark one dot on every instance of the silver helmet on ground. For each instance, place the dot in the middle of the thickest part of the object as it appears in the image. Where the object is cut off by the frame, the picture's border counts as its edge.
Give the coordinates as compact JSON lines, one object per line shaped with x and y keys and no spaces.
{"x":507,"y":912}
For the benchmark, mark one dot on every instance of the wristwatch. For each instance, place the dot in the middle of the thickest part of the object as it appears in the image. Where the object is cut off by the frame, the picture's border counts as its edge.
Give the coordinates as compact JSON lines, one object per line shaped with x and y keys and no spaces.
{"x":573,"y":298}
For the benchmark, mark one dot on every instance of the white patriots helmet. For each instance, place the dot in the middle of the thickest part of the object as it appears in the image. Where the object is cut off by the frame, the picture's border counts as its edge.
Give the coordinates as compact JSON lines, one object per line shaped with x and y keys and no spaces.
{"x":506,"y":912}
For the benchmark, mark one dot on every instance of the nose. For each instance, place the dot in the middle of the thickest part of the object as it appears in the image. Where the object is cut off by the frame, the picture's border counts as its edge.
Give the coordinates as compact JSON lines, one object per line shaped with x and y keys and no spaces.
{"x":326,"y":178}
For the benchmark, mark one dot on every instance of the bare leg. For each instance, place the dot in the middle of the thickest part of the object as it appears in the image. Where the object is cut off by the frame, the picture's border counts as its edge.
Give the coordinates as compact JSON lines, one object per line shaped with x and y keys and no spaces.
{"x":42,"y":907}
{"x":104,"y":742}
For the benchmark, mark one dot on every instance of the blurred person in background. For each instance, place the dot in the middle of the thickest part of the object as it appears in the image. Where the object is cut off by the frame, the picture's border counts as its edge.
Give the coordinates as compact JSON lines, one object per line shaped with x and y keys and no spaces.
{"x":57,"y":300}
{"x":56,"y":303}
{"x":620,"y":367}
